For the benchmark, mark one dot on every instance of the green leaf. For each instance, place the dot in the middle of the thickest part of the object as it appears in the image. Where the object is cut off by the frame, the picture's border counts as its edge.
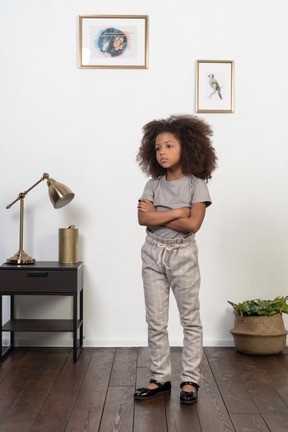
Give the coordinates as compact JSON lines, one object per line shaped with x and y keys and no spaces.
{"x":258,"y":307}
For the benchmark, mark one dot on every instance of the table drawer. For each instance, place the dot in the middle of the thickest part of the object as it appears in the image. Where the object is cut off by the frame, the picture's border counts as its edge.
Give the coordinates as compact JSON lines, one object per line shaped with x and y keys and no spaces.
{"x":39,"y":280}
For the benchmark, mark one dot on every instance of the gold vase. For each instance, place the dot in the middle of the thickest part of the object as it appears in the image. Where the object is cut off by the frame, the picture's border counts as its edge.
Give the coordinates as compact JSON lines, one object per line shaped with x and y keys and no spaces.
{"x":68,"y":245}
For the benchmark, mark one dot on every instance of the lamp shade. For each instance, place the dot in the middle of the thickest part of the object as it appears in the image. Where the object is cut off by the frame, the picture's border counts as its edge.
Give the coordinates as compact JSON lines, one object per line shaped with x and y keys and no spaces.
{"x":59,"y":194}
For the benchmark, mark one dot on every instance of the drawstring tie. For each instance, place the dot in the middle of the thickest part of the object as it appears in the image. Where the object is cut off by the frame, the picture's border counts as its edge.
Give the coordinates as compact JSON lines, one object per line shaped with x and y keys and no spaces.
{"x":162,"y":253}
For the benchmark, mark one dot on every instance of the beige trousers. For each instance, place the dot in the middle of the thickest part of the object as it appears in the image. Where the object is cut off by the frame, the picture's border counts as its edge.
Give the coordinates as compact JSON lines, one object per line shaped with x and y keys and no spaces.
{"x":172,"y":264}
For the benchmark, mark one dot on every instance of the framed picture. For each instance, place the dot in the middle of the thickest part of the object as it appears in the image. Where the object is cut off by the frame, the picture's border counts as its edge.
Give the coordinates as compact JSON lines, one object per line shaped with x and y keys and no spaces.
{"x":215,"y":86}
{"x":113,"y":41}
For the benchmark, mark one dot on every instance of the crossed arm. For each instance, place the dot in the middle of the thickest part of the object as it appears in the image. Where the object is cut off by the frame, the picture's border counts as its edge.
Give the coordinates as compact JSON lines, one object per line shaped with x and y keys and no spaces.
{"x":181,"y":219}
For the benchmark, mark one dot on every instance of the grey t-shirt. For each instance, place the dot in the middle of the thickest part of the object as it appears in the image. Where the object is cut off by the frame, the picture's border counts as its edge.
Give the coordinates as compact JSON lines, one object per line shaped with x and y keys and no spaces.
{"x":167,"y":195}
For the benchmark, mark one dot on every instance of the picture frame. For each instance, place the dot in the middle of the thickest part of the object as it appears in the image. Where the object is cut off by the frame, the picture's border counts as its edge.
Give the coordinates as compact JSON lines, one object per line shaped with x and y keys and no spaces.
{"x":215,"y":86}
{"x":113,"y":41}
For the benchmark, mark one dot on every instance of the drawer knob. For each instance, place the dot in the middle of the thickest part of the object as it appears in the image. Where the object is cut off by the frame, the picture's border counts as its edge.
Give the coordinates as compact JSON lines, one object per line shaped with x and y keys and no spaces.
{"x":37,"y":274}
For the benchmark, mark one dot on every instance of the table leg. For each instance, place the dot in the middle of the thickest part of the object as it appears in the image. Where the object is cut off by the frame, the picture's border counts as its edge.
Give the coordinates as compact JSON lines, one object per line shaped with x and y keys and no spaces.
{"x":12,"y":312}
{"x":81,"y":319}
{"x":4,"y":350}
{"x":1,"y":336}
{"x":75,"y":313}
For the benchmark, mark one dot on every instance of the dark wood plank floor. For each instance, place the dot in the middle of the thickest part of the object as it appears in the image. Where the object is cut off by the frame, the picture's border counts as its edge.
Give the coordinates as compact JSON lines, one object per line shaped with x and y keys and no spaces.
{"x":42,"y":390}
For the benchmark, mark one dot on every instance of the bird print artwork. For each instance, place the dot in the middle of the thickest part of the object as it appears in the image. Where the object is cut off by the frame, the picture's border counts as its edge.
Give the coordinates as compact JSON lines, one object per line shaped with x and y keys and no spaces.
{"x":215,"y":86}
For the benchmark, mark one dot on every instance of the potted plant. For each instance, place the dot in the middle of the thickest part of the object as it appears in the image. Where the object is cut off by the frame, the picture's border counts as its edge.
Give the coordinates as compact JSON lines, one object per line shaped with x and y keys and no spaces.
{"x":259,"y":327}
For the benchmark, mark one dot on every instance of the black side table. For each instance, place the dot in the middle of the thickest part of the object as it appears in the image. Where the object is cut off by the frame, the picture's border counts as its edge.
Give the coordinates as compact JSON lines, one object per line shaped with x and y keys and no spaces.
{"x":43,"y":278}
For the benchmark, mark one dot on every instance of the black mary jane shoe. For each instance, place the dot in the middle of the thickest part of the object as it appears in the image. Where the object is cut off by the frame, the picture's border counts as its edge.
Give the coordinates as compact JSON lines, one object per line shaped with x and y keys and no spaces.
{"x":189,"y":398}
{"x":145,"y":393}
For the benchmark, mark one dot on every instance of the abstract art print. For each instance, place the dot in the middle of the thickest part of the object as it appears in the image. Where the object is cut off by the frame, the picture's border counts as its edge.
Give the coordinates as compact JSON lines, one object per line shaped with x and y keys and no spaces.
{"x":107,"y":41}
{"x":215,"y":86}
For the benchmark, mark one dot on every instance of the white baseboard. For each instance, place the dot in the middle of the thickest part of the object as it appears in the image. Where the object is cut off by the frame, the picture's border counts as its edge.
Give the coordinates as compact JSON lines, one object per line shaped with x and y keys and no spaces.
{"x":54,"y":341}
{"x":142,"y":343}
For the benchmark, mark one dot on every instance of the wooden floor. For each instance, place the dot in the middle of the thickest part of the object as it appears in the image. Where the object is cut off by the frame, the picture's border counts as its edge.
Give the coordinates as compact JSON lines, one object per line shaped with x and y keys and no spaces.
{"x":42,"y":390}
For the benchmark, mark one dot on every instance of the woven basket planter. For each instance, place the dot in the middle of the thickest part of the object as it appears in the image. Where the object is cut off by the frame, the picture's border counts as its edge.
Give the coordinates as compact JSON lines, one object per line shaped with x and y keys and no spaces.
{"x":259,"y":335}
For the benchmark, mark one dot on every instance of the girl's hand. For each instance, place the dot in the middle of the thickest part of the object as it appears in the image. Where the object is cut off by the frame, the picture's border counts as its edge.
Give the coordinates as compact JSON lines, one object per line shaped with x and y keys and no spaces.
{"x":185,"y":212}
{"x":145,"y":206}
{"x":193,"y":222}
{"x":149,"y":216}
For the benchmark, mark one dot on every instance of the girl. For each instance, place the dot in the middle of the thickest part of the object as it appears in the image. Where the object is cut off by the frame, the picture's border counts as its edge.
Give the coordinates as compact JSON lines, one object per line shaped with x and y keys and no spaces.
{"x":178,"y":154}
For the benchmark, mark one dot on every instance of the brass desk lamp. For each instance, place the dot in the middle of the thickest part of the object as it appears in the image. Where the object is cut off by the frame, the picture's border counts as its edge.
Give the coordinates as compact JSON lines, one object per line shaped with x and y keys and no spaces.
{"x":60,"y":195}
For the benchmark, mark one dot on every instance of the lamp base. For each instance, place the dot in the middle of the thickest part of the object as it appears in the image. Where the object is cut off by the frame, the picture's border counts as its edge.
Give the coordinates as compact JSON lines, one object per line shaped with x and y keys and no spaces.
{"x":20,"y":258}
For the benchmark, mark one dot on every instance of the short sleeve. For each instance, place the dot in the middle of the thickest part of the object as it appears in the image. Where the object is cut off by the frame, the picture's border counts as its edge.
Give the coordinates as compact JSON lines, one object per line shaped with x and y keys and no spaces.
{"x":200,"y":192}
{"x":148,"y":192}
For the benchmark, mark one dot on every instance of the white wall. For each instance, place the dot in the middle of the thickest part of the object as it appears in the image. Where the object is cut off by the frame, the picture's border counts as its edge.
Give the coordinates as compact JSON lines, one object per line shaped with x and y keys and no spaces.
{"x":84,"y":128}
